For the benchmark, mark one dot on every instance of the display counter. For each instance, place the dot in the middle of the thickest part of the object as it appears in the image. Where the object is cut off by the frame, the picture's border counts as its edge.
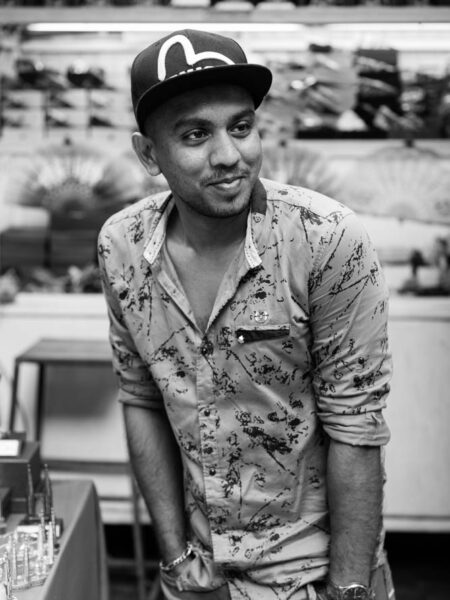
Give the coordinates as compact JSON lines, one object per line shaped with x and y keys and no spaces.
{"x":80,"y":569}
{"x":418,"y":487}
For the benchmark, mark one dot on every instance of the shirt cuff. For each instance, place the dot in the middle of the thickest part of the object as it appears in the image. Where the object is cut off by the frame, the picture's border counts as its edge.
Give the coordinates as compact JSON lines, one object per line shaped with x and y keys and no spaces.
{"x":130,"y":399}
{"x":364,"y":429}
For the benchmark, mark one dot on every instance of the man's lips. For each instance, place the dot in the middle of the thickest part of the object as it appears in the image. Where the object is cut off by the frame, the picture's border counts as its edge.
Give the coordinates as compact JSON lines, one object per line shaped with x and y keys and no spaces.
{"x":226,"y":180}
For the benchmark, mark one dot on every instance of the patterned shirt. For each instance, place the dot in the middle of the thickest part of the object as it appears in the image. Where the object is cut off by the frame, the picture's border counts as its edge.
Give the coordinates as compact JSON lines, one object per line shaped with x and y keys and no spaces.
{"x":295,"y":353}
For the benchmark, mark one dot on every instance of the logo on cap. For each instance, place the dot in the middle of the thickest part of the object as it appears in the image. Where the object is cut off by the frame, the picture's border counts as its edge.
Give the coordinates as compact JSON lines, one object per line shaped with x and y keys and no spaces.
{"x":191,"y":57}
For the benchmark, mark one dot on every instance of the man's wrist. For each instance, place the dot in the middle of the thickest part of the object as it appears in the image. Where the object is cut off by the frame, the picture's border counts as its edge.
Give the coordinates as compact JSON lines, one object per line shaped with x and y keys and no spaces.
{"x":178,"y":560}
{"x":352,"y":591}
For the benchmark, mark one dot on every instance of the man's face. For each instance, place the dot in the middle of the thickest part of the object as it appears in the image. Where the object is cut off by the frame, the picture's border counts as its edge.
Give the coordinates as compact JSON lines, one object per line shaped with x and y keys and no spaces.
{"x":206,"y":144}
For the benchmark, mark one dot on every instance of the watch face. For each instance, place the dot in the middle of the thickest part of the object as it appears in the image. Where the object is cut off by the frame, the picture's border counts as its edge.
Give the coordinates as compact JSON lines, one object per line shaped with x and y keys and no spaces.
{"x":356,"y":592}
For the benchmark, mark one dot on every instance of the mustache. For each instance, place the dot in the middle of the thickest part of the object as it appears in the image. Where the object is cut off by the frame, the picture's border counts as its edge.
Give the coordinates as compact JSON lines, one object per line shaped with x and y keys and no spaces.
{"x":224,"y":174}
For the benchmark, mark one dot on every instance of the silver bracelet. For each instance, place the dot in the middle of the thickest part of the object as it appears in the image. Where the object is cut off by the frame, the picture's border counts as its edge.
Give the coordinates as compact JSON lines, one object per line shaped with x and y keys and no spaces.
{"x":177,"y":561}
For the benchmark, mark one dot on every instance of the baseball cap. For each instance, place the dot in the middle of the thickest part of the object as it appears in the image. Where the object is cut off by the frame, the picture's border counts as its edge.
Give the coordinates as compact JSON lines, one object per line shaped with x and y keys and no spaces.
{"x":188,"y":59}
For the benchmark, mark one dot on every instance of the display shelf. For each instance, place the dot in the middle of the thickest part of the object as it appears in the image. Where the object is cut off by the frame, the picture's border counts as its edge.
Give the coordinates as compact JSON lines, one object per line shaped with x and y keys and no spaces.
{"x":309,"y":15}
{"x":413,"y":30}
{"x":108,"y":38}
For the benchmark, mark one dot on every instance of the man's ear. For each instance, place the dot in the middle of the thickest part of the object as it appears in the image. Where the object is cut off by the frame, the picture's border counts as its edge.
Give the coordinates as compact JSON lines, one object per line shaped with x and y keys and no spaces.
{"x":145,"y":151}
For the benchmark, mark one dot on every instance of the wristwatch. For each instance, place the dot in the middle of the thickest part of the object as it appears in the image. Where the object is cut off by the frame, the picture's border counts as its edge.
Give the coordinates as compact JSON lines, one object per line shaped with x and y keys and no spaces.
{"x":353,"y":591}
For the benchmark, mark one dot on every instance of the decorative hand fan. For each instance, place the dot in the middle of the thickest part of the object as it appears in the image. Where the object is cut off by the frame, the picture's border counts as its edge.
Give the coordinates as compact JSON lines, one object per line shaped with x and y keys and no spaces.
{"x":299,"y":166}
{"x":75,"y":179}
{"x":407,"y":183}
{"x":80,"y":187}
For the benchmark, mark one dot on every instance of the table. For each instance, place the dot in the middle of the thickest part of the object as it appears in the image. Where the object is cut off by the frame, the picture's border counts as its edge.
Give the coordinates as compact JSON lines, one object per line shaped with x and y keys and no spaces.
{"x":48,"y":352}
{"x":80,"y":569}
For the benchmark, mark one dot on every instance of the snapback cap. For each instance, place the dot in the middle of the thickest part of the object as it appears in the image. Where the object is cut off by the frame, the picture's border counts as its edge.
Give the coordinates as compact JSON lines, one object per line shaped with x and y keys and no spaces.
{"x":188,"y":59}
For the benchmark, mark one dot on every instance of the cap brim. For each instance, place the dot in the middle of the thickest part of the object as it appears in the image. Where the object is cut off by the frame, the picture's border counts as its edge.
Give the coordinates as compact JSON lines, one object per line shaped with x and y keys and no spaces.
{"x":256,"y":79}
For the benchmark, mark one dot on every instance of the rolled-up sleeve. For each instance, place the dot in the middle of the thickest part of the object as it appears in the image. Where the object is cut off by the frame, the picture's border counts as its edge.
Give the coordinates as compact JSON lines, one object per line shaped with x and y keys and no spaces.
{"x":136,"y":385}
{"x":349,"y":321}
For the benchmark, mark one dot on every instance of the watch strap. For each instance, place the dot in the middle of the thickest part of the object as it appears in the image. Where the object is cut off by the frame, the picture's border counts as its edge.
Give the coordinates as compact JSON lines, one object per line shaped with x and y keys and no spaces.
{"x":351,"y":591}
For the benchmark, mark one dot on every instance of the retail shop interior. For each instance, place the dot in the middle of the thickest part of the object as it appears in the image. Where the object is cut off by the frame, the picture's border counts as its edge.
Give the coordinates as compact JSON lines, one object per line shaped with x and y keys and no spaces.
{"x":359,"y":110}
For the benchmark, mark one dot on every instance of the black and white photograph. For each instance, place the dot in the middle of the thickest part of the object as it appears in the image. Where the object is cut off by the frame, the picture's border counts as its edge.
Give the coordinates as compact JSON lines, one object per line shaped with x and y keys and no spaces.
{"x":224,"y":299}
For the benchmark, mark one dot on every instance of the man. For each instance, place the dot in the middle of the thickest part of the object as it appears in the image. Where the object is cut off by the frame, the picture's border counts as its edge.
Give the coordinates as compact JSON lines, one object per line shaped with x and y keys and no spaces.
{"x":248,"y":327}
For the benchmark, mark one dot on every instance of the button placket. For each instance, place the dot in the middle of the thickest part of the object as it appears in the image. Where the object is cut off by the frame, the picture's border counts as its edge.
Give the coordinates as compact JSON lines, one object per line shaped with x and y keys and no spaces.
{"x":207,"y":418}
{"x":208,"y":436}
{"x":206,"y":347}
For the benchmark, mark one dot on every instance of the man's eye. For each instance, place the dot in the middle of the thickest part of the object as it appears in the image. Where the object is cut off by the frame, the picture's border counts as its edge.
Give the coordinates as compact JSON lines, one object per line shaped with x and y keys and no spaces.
{"x":195,"y":135}
{"x":242,"y":128}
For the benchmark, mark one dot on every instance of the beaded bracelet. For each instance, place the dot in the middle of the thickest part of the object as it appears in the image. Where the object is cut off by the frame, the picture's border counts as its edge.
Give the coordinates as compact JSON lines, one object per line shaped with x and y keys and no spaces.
{"x":177,"y":561}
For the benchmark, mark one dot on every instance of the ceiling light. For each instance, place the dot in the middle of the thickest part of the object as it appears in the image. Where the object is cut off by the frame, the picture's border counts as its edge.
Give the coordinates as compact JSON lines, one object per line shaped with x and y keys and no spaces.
{"x":79,"y":27}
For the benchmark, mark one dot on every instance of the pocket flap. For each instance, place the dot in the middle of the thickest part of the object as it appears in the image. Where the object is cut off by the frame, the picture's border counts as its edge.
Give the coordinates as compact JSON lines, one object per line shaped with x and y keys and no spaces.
{"x":256,"y":333}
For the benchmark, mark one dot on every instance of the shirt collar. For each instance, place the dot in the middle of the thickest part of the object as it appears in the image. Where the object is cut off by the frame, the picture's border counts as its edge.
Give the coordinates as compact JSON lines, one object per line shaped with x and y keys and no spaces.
{"x":258,"y":207}
{"x":255,"y":221}
{"x":157,"y":233}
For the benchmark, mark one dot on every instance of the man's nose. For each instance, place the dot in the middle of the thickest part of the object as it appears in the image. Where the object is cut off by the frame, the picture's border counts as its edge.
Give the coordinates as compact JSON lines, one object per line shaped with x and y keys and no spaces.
{"x":224,"y":151}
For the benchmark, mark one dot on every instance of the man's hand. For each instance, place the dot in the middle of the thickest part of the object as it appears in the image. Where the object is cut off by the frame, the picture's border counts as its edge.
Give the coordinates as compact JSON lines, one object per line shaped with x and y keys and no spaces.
{"x":196,"y":578}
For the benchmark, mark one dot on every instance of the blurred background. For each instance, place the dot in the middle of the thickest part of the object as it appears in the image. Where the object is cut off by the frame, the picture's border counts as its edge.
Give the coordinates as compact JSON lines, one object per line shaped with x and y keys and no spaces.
{"x":359,"y":110}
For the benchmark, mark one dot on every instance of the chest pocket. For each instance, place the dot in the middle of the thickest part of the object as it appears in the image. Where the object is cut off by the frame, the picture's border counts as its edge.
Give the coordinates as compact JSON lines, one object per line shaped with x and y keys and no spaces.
{"x":256,"y":333}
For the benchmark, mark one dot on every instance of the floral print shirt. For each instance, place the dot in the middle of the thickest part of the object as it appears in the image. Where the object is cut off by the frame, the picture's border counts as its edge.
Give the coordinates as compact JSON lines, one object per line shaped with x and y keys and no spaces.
{"x":295,"y":353}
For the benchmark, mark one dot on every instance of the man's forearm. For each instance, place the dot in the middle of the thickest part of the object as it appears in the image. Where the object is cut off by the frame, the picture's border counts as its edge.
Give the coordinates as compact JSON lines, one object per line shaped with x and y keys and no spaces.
{"x":355,"y":503}
{"x":155,"y":459}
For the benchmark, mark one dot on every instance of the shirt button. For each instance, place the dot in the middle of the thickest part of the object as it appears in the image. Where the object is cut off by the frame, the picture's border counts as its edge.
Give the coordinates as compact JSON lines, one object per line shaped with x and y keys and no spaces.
{"x":212,"y":471}
{"x":206,"y":348}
